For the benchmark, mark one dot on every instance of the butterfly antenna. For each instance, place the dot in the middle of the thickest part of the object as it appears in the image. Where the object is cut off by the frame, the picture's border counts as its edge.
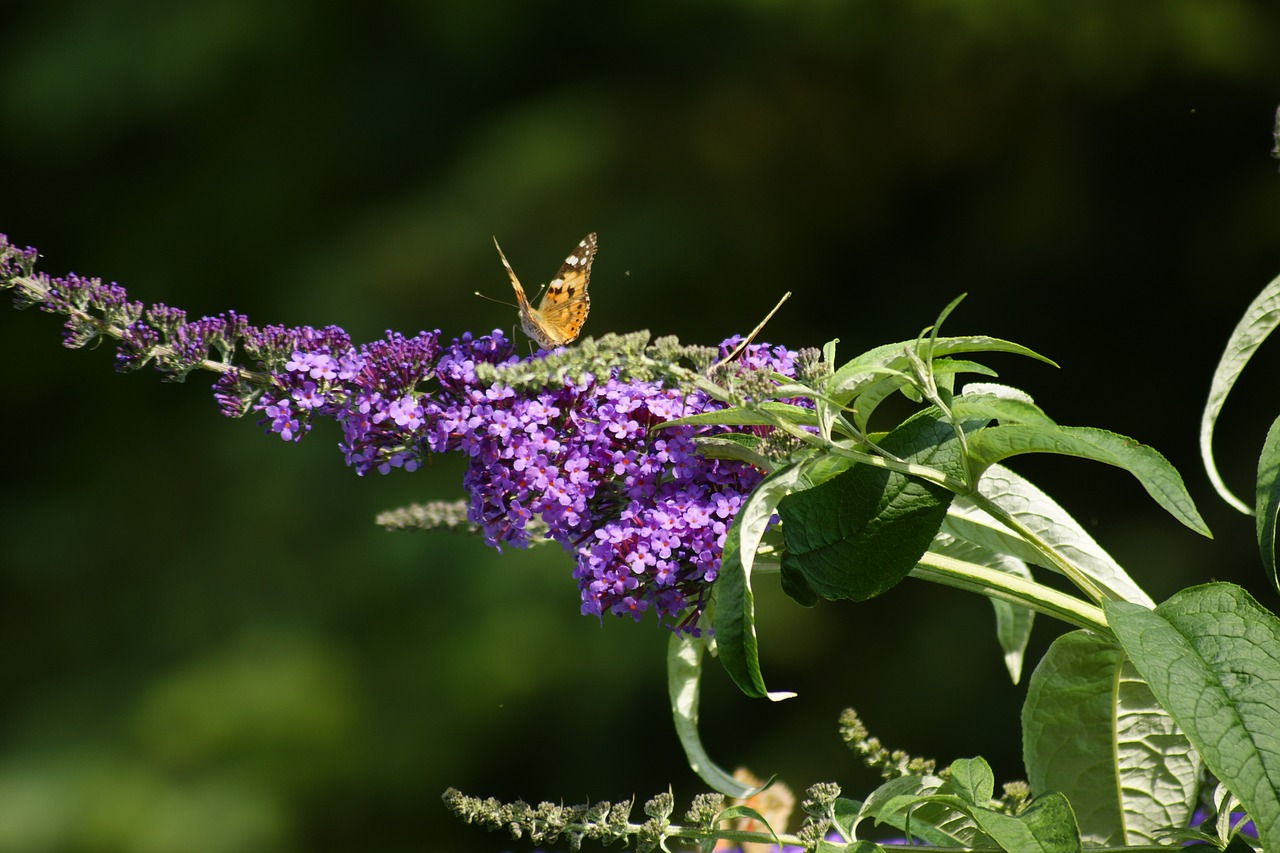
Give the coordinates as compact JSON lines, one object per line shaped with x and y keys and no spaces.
{"x":743,"y":345}
{"x":499,"y":301}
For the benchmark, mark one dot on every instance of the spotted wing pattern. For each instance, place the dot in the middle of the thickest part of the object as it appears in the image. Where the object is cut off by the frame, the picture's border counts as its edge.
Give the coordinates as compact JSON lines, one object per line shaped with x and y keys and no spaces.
{"x":563,"y":308}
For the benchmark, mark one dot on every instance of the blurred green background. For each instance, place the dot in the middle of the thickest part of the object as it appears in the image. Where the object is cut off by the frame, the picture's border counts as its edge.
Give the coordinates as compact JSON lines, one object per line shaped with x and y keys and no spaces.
{"x":210,"y":647}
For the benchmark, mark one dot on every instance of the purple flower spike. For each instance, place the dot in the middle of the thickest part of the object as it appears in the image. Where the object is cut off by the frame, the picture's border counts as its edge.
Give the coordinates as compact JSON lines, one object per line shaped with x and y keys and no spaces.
{"x":584,"y":462}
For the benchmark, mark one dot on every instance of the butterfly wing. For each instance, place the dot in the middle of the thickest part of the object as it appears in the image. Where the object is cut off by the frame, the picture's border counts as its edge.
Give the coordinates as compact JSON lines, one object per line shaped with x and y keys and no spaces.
{"x":528,"y":320}
{"x":563,"y":308}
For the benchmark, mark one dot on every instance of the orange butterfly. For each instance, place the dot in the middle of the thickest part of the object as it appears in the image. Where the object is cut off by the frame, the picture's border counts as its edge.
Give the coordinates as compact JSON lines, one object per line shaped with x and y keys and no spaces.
{"x":563,"y":309}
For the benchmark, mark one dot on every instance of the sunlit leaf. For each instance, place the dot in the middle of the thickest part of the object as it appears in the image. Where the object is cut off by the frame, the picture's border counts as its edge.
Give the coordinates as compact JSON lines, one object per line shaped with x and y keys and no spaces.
{"x":1161,"y":480}
{"x":1267,"y":501}
{"x":734,"y":616}
{"x":684,"y":679}
{"x":1259,"y":320}
{"x":1211,"y":655}
{"x":1048,"y":521}
{"x":1092,"y":730}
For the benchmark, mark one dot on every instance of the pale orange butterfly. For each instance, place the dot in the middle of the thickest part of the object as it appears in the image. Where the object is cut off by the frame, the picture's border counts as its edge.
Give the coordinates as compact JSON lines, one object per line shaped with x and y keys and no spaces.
{"x":563,"y":308}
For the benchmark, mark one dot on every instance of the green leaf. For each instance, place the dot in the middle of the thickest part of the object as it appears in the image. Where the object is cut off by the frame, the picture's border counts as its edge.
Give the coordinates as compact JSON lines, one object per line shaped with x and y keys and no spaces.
{"x":861,"y":532}
{"x":762,"y":414}
{"x":1007,"y":410}
{"x":907,"y":804}
{"x":1013,"y":622}
{"x":827,"y":410}
{"x":855,"y":375}
{"x":684,"y":679}
{"x":973,"y":780}
{"x":1157,"y":476}
{"x":892,"y":381}
{"x":740,"y":448}
{"x":1267,"y":501}
{"x":1046,"y":520}
{"x":876,"y":393}
{"x":1211,"y":655}
{"x":1092,"y":730}
{"x":1260,"y":318}
{"x":734,"y":617}
{"x":1046,"y":826}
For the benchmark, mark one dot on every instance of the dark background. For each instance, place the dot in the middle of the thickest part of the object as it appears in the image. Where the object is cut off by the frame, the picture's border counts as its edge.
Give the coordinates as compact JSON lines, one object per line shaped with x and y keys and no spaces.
{"x":208,"y":644}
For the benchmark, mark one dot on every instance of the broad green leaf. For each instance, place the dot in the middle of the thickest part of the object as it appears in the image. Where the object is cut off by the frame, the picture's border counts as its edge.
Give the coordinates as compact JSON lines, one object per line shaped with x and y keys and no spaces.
{"x":1013,"y":622}
{"x":861,"y":532}
{"x":1157,"y":476}
{"x":1260,"y":318}
{"x":855,"y":375}
{"x":1046,"y":826}
{"x":1092,"y":730}
{"x":684,"y":679}
{"x":735,"y":615}
{"x":973,"y":780}
{"x":1267,"y":501}
{"x":1211,"y":655}
{"x":1045,"y":519}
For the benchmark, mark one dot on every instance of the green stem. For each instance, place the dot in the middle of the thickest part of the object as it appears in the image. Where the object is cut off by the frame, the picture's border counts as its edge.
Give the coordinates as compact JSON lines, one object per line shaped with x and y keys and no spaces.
{"x":1068,"y":569}
{"x":1011,"y":588}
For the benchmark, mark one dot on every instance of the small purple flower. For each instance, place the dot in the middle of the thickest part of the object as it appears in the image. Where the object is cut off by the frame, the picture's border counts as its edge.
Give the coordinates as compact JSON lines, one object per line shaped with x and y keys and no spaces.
{"x":283,"y":421}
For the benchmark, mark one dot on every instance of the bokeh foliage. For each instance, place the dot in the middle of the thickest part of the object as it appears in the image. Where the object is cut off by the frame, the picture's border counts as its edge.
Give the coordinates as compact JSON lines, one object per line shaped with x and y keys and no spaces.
{"x":212,"y":648}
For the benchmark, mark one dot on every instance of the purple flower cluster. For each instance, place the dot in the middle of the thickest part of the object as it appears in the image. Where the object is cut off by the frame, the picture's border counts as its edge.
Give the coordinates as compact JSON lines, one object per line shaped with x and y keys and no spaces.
{"x":643,"y":512}
{"x":369,"y":390}
{"x":584,"y":463}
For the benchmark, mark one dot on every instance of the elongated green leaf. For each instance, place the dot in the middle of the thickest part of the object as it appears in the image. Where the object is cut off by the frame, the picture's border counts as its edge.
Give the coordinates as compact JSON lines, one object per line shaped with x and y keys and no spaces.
{"x":861,"y":532}
{"x":761,"y":415}
{"x":872,"y":396}
{"x":1045,"y":519}
{"x":1211,"y":655}
{"x":855,"y":375}
{"x":995,"y":389}
{"x":1267,"y":501}
{"x":1013,"y":623}
{"x":738,"y":448}
{"x":875,"y":393}
{"x":1157,"y":476}
{"x":684,"y":679}
{"x":1260,"y":318}
{"x":828,"y":410}
{"x":1092,"y":730}
{"x":735,"y":614}
{"x":1004,"y":409}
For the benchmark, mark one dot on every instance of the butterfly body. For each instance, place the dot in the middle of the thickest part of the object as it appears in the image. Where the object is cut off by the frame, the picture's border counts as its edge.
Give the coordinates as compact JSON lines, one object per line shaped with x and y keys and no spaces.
{"x":563,"y":308}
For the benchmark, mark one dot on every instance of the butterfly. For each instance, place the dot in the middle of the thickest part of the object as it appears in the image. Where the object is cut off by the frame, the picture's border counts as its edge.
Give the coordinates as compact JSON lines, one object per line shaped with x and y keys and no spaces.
{"x":563,"y":308}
